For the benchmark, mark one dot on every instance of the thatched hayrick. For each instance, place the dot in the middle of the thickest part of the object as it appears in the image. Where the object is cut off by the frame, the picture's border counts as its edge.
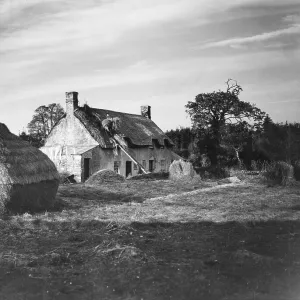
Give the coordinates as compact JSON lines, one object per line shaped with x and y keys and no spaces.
{"x":279,"y":172}
{"x":28,"y":178}
{"x":181,"y":170}
{"x":104,"y":176}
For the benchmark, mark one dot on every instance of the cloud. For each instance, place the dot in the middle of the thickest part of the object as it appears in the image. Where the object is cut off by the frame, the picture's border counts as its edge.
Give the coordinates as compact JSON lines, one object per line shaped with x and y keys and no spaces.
{"x":240,"y":41}
{"x":286,"y":101}
{"x":133,"y":49}
{"x":99,"y":25}
{"x":137,"y":73}
{"x":294,"y":19}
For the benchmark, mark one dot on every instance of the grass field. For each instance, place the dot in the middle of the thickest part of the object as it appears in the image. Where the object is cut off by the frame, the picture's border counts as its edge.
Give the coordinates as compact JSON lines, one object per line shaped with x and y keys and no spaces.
{"x":156,"y":239}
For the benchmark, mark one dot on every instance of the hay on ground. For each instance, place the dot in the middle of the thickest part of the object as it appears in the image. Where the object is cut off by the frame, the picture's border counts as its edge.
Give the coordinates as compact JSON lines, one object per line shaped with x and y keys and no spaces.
{"x":232,"y":179}
{"x":28,"y":178}
{"x":104,"y":176}
{"x":181,"y":170}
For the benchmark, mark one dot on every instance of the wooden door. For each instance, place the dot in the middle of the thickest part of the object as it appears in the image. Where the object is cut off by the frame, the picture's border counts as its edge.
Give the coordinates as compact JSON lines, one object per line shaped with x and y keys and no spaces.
{"x":86,"y":168}
{"x":151,"y":165}
{"x":128,"y":168}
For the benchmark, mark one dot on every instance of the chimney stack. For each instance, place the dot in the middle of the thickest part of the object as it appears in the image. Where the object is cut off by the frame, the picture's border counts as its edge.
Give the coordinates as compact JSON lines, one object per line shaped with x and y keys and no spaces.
{"x":71,"y":102}
{"x":146,"y":111}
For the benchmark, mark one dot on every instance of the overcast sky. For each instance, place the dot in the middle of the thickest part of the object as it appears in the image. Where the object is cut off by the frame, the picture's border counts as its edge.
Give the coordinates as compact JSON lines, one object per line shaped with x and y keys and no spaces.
{"x":121,"y":54}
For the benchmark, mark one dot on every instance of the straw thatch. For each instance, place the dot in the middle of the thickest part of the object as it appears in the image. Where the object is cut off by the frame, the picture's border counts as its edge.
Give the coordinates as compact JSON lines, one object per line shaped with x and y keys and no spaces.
{"x":138,"y":130}
{"x":181,"y":170}
{"x":28,"y":178}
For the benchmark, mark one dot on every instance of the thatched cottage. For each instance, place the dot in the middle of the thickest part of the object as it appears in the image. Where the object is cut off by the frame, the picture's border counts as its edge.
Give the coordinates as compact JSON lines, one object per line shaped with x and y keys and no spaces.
{"x":87,"y":140}
{"x":28,"y":178}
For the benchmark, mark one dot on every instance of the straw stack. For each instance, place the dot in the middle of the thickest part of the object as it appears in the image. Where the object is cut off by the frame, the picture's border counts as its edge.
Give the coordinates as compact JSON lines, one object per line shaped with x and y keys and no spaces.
{"x":181,"y":170}
{"x":28,"y":178}
{"x":104,"y":176}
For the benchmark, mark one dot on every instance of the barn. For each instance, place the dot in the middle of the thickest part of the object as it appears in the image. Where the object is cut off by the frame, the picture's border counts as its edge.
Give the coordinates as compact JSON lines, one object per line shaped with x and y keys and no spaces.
{"x":82,"y":143}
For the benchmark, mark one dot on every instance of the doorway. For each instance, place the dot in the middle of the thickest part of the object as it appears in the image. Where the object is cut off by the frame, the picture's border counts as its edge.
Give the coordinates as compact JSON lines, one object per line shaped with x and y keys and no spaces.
{"x":151,"y":165}
{"x":128,"y":168}
{"x":86,"y":168}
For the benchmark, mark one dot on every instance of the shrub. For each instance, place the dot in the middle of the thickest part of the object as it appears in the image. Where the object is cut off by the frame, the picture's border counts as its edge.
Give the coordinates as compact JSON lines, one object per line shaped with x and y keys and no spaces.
{"x":151,"y":176}
{"x":205,"y":161}
{"x":255,"y":166}
{"x":214,"y":172}
{"x":279,"y":172}
{"x":219,"y":171}
{"x":65,"y":178}
{"x":297,"y":169}
{"x":238,"y":172}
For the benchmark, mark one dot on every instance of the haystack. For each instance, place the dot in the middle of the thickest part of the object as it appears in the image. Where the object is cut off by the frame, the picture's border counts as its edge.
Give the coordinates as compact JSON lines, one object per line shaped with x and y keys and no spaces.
{"x":279,"y":172}
{"x":104,"y":176}
{"x":28,"y":178}
{"x":181,"y":170}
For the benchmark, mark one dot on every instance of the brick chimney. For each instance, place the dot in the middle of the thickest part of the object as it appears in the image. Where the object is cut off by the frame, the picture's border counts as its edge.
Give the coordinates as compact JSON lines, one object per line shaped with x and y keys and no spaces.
{"x":71,"y":102}
{"x":146,"y":111}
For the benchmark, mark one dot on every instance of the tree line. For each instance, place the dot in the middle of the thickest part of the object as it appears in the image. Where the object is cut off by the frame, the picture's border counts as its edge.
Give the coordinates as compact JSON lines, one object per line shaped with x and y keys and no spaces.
{"x":276,"y":142}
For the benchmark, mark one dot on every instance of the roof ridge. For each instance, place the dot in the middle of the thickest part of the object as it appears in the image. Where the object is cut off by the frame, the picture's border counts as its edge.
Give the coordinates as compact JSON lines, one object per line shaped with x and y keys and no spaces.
{"x":119,"y":112}
{"x":140,"y":130}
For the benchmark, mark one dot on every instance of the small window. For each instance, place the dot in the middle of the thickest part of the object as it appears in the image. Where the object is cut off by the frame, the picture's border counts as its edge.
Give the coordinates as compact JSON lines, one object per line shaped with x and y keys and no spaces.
{"x":63,"y":150}
{"x":144,"y":164}
{"x":163,"y":164}
{"x":135,"y":167}
{"x":117,"y":166}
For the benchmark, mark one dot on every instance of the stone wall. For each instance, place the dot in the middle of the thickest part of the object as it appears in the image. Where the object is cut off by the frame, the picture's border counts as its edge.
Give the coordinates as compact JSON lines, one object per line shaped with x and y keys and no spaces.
{"x":70,"y":131}
{"x":94,"y":163}
{"x":62,"y":146}
{"x":140,"y":154}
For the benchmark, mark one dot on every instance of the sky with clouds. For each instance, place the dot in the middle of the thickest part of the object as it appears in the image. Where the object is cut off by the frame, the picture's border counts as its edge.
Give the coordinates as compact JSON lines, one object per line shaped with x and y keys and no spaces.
{"x":121,"y":54}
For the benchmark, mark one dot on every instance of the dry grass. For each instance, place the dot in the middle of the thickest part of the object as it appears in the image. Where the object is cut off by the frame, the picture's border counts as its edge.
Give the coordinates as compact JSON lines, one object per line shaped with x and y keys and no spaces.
{"x":156,"y":240}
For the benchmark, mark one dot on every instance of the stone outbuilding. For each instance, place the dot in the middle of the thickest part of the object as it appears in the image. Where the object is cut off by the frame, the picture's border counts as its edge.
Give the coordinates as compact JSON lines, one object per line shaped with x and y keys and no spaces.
{"x":88,"y":139}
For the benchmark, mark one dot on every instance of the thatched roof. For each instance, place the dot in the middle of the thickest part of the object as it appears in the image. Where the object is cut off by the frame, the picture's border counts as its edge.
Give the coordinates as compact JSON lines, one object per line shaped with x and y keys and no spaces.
{"x":20,"y":163}
{"x":139,"y":131}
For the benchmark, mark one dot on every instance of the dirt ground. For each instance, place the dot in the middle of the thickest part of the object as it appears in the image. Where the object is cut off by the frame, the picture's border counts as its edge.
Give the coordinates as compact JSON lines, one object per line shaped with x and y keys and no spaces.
{"x":156,"y":239}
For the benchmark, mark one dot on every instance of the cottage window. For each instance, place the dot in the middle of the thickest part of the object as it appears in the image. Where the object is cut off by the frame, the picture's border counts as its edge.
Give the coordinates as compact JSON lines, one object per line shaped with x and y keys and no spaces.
{"x":117,"y":166}
{"x":63,"y":150}
{"x":135,"y":167}
{"x":163,"y":164}
{"x":144,"y":164}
